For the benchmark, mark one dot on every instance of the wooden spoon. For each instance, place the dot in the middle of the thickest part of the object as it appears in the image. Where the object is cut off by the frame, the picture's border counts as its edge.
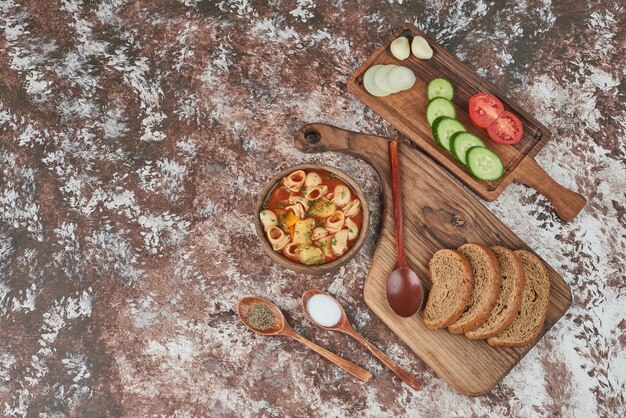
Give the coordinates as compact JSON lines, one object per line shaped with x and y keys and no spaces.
{"x":344,"y":326}
{"x":281,"y":327}
{"x":405,"y":293}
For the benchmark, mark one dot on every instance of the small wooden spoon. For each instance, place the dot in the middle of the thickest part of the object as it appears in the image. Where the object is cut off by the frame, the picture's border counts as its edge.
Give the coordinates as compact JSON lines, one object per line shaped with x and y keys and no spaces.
{"x":344,"y":326}
{"x":405,"y":293}
{"x":281,"y":327}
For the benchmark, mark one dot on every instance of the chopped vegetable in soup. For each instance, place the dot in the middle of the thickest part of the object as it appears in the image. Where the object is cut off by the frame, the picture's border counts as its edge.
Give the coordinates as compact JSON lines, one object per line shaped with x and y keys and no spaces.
{"x":312,"y":217}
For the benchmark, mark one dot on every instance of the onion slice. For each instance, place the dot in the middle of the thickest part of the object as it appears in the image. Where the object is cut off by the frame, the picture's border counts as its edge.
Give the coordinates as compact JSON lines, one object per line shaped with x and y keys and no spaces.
{"x":382,"y":79}
{"x":401,"y":78}
{"x":370,"y":85}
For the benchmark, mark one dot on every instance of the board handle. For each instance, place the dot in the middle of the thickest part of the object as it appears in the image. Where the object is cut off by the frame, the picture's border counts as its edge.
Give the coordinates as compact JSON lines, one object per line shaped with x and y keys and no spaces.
{"x":320,"y":137}
{"x":567,"y":203}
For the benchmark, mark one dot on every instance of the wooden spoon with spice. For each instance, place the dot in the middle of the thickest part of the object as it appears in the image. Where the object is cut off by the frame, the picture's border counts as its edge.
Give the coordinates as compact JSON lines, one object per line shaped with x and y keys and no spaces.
{"x":324,"y":311}
{"x":264,"y":318}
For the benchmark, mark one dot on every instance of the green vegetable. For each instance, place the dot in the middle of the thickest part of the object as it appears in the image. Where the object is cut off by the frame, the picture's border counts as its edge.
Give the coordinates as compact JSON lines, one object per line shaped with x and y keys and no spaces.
{"x":440,"y":87}
{"x":439,"y":107}
{"x":443,"y":128}
{"x":460,"y":142}
{"x":484,"y":164}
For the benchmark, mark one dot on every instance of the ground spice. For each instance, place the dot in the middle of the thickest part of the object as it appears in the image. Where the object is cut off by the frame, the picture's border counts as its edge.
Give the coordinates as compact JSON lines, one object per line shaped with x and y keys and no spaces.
{"x":260,"y":317}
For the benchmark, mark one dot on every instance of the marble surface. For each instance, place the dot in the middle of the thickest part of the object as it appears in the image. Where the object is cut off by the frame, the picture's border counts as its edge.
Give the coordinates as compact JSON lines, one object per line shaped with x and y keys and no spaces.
{"x":134,"y":137}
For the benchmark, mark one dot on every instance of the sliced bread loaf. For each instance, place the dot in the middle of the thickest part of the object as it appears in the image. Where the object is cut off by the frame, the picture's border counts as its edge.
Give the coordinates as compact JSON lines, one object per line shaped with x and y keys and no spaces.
{"x":452,"y":280}
{"x":529,"y":320}
{"x":510,"y":299}
{"x":485,"y":291}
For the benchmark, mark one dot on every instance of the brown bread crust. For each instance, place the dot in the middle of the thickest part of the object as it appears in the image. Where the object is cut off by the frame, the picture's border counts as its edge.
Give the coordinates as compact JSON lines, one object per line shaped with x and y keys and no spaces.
{"x":485,"y":291}
{"x":509,"y":302}
{"x":529,"y":321}
{"x":447,"y":266}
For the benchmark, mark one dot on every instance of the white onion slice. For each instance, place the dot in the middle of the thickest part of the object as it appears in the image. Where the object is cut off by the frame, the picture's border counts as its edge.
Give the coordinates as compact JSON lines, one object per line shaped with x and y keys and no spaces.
{"x":381,"y":78}
{"x":401,"y":78}
{"x":370,"y":85}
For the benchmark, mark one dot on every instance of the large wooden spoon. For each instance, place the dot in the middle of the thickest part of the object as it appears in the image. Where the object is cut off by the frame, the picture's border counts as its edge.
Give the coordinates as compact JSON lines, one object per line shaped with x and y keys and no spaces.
{"x":405,"y":293}
{"x":344,"y":326}
{"x":281,"y":327}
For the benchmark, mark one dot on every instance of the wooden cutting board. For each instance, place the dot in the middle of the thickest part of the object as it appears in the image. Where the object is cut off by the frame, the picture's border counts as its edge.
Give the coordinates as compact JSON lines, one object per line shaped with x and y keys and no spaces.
{"x":406,"y":111}
{"x":438,"y":213}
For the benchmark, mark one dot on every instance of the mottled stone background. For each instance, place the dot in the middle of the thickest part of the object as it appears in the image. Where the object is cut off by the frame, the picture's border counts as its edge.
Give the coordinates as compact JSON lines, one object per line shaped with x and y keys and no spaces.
{"x":134,"y":137}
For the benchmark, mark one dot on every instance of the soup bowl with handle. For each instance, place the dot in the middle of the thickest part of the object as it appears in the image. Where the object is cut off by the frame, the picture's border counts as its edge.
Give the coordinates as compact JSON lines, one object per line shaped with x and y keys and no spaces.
{"x":278,"y":256}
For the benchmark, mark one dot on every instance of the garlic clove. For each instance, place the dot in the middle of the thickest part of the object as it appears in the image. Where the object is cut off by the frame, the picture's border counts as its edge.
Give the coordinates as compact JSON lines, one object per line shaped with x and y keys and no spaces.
{"x":421,"y":49}
{"x":400,"y":48}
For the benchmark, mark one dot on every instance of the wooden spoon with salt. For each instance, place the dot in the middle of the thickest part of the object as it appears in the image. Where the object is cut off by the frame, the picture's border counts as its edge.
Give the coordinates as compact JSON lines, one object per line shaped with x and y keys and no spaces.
{"x":344,"y":326}
{"x":281,"y":327}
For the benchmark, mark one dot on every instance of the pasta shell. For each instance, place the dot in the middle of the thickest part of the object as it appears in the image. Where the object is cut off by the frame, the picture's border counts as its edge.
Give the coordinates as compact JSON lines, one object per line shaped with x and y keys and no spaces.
{"x":352,"y":209}
{"x":353,"y":229}
{"x":268,"y":218}
{"x":309,"y":254}
{"x":312,"y":179}
{"x":294,"y":181}
{"x":319,"y":233}
{"x":290,"y":250}
{"x":334,"y":223}
{"x":298,"y":210}
{"x":298,"y":199}
{"x":277,"y":238}
{"x":325,"y":244}
{"x":315,"y":192}
{"x":341,"y":195}
{"x":339,"y":243}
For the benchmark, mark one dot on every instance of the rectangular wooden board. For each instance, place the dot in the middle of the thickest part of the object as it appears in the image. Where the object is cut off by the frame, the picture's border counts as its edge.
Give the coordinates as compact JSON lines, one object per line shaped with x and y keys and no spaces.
{"x":406,"y":111}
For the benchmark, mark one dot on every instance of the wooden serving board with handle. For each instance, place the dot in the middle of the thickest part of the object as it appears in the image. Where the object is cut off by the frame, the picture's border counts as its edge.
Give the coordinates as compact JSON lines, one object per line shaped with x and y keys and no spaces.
{"x":438,"y":213}
{"x":406,"y":111}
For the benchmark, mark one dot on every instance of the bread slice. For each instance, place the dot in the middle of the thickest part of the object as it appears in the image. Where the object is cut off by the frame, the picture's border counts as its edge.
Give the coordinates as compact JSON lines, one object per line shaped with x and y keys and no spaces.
{"x":486,"y":288}
{"x":510,"y":299}
{"x":529,"y":320}
{"x":452,"y":279}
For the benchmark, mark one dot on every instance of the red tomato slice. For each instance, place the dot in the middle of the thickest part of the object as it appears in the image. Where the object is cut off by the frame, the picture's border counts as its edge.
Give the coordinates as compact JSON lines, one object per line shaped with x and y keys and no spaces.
{"x":507,"y":129}
{"x":484,"y":108}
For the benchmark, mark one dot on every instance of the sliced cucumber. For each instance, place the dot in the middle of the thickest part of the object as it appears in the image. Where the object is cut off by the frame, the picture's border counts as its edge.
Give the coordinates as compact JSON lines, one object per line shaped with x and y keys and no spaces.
{"x":443,"y":129}
{"x":440,"y":87}
{"x":439,"y":107}
{"x":460,"y":142}
{"x":484,"y":164}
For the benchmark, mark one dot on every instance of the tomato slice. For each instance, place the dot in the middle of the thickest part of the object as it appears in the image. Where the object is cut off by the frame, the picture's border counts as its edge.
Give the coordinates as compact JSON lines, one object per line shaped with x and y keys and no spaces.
{"x":507,"y":129}
{"x":484,"y":108}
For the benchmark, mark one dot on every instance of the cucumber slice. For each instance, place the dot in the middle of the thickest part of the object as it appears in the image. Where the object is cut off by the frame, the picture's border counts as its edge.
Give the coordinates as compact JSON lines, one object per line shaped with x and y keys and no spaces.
{"x":440,"y":87}
{"x":443,"y":129}
{"x":484,"y":164}
{"x":460,"y":142}
{"x":439,"y":107}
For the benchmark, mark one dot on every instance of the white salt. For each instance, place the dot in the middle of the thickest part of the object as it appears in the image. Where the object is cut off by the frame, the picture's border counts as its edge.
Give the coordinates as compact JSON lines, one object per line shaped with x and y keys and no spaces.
{"x":324,"y":310}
